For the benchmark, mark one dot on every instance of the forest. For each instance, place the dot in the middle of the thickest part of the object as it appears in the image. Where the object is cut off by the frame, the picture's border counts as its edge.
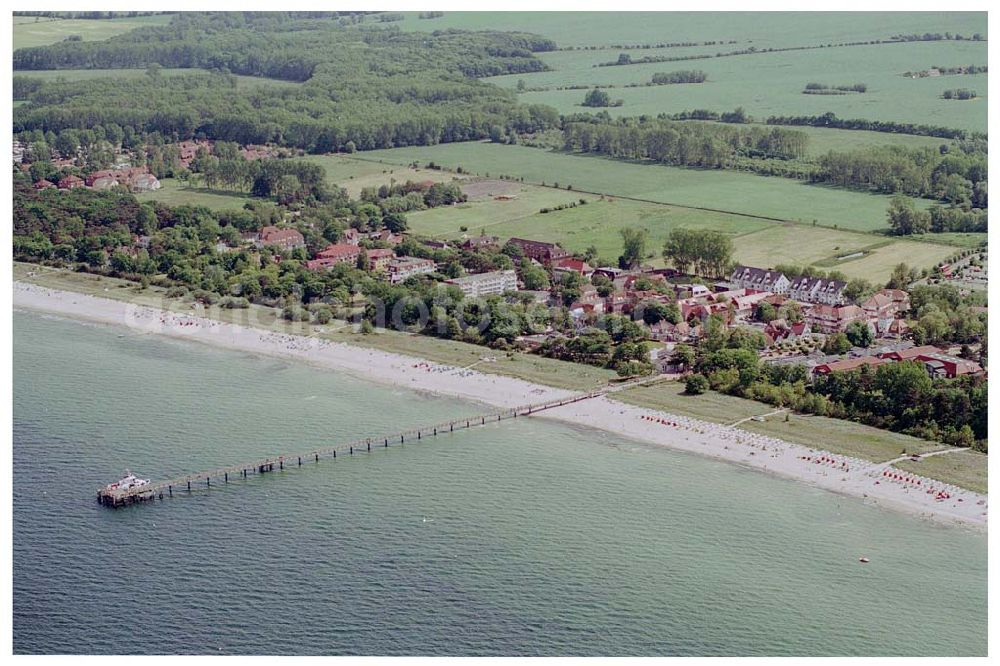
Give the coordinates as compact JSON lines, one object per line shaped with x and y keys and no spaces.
{"x":373,"y":86}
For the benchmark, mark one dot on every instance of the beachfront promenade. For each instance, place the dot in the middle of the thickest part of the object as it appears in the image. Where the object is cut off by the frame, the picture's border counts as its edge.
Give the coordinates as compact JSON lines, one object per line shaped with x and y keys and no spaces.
{"x":161,"y":489}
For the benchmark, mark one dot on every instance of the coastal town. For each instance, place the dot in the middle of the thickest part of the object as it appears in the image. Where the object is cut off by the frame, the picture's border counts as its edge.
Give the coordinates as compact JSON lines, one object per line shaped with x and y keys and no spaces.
{"x":638,"y":317}
{"x":504,"y":333}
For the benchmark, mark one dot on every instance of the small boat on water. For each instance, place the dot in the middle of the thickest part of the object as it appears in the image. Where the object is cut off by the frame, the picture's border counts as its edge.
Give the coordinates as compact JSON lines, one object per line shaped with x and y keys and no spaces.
{"x":863,"y":560}
{"x":128,"y":481}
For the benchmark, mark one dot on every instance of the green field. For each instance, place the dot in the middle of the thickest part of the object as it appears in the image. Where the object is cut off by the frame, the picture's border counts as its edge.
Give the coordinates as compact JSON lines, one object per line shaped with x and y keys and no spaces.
{"x":88,"y":74}
{"x":175,"y":193}
{"x":597,"y":223}
{"x":39,"y":31}
{"x":489,"y":214}
{"x":834,"y":435}
{"x":729,"y":191}
{"x":764,"y":30}
{"x":954,"y":238}
{"x":764,"y":84}
{"x":966,"y":469}
{"x":772,"y":83}
{"x":800,"y":245}
{"x":354,"y":174}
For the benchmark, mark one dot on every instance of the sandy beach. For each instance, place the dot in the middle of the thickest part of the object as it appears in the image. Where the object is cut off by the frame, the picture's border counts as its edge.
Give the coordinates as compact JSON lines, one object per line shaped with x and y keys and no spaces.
{"x":877,"y":483}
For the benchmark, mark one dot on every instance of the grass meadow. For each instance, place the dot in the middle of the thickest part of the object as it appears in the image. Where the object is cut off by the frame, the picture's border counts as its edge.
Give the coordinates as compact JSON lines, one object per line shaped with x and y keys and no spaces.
{"x":598,"y":223}
{"x":967,"y":469}
{"x":771,"y":84}
{"x":728,"y":191}
{"x":355,"y":174}
{"x":175,"y":193}
{"x":823,"y":248}
{"x":40,"y":31}
{"x":764,"y":30}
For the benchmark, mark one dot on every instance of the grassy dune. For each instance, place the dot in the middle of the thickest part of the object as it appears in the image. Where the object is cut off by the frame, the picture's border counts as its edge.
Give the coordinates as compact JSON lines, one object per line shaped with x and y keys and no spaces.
{"x":834,"y":435}
{"x":966,"y":469}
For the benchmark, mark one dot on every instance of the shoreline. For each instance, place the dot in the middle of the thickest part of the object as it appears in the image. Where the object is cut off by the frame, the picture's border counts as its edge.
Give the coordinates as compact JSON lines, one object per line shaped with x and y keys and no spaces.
{"x":836,"y":473}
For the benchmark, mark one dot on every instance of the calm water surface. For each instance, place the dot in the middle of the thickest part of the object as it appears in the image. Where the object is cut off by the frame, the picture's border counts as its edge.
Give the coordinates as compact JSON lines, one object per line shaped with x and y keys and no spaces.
{"x":524,"y":538}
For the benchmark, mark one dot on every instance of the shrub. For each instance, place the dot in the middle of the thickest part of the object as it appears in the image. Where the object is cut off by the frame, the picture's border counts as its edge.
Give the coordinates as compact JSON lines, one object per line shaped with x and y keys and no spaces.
{"x":206,"y":297}
{"x":695,"y":384}
{"x":234,"y":303}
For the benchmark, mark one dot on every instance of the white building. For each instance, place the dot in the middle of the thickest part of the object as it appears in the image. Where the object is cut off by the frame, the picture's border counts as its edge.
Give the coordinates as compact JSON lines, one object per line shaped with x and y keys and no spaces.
{"x":405,"y":267}
{"x":760,"y":279}
{"x":486,"y":284}
{"x":817,"y":290}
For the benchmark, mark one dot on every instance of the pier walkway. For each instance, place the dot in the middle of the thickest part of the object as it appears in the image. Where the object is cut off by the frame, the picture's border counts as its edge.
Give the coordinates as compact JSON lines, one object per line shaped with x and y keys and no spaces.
{"x":161,"y":489}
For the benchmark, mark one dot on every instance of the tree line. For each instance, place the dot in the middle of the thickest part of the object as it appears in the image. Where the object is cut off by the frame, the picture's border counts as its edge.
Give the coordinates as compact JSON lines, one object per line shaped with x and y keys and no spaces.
{"x":830,"y":119}
{"x":686,"y":144}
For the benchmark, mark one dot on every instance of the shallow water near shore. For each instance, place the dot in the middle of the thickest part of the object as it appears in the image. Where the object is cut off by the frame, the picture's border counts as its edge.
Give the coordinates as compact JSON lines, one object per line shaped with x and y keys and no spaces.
{"x":524,"y":538}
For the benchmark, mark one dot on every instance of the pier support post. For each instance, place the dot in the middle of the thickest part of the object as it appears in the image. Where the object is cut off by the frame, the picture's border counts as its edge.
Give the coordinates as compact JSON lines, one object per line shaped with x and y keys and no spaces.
{"x":189,"y":486}
{"x":484,"y":421}
{"x":170,"y":489}
{"x":334,"y":455}
{"x":400,"y":439}
{"x":451,"y":427}
{"x":369,"y":446}
{"x":281,"y":464}
{"x":227,"y":477}
{"x":386,"y":442}
{"x":300,"y":461}
{"x":208,"y":480}
{"x":435,"y":432}
{"x":418,"y":434}
{"x":352,"y":450}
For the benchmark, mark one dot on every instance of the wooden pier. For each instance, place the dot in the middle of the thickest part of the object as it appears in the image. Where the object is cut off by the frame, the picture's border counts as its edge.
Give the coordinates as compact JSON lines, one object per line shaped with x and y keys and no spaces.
{"x":183,"y":484}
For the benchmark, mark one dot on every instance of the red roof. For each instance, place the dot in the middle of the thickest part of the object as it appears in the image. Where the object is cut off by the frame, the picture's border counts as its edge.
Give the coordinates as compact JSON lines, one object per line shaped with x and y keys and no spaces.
{"x":380,"y":253}
{"x":339,"y":251}
{"x":274,"y":235}
{"x":572,"y":264}
{"x":911,"y":353}
{"x":43,"y":184}
{"x":70,"y":181}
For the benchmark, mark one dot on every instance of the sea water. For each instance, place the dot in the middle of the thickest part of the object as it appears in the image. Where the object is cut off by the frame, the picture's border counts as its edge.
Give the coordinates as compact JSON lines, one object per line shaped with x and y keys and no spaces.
{"x":526,"y":537}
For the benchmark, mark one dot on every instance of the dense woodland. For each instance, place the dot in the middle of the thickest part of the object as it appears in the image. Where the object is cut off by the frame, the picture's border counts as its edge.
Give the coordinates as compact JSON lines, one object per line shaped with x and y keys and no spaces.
{"x":376,"y":87}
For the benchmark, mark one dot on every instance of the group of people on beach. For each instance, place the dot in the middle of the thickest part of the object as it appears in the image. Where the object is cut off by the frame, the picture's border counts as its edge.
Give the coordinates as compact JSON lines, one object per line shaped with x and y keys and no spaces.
{"x":941,"y":492}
